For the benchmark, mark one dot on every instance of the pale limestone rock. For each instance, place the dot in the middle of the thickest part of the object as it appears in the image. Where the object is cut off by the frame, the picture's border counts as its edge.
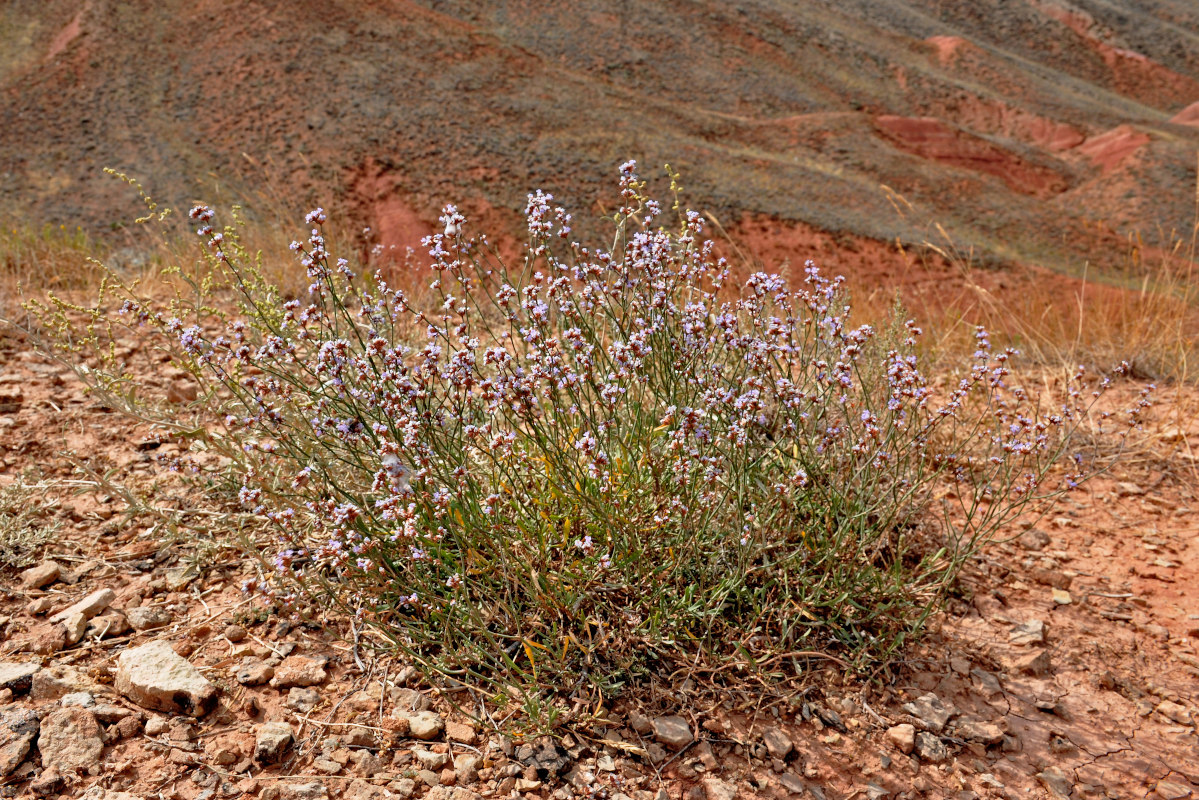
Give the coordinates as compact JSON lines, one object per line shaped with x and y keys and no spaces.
{"x":89,"y":606}
{"x":903,"y":737}
{"x":154,"y":676}
{"x":70,"y":740}
{"x":271,"y":741}
{"x":422,"y":725}
{"x":17,"y":676}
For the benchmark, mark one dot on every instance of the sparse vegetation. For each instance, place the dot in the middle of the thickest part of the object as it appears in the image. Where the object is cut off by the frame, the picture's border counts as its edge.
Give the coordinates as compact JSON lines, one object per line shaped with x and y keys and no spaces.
{"x":25,"y":526}
{"x":600,"y":462}
{"x":52,"y":258}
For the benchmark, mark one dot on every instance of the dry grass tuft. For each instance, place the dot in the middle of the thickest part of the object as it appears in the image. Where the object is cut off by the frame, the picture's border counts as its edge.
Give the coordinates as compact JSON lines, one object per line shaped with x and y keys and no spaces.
{"x":24,"y":530}
{"x":1145,"y":313}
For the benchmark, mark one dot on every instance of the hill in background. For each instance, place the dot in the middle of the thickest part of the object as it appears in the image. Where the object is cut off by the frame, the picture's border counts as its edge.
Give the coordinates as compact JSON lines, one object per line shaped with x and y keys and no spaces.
{"x":1036,"y":132}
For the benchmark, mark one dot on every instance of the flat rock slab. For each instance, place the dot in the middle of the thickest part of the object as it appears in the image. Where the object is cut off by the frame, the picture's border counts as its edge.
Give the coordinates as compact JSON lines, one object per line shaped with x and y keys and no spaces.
{"x":70,"y":740}
{"x":17,"y":676}
{"x":1174,"y":712}
{"x":51,"y":683}
{"x":154,"y":676}
{"x":88,"y":607}
{"x":1031,"y":632}
{"x":1171,"y":791}
{"x":674,"y":732}
{"x":299,"y":671}
{"x":18,"y":729}
{"x":986,"y":732}
{"x":43,"y":574}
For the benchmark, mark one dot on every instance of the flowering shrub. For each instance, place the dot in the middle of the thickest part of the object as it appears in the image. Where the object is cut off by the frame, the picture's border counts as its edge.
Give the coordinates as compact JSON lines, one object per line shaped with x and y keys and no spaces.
{"x":599,"y":462}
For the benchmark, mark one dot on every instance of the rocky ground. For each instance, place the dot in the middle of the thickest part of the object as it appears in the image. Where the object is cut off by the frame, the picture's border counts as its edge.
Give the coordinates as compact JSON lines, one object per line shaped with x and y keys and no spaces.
{"x":131,"y":666}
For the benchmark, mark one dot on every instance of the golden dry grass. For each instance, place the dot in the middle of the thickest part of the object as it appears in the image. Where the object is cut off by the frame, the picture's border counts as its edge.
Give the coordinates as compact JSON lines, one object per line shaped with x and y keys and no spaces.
{"x":1146,"y":314}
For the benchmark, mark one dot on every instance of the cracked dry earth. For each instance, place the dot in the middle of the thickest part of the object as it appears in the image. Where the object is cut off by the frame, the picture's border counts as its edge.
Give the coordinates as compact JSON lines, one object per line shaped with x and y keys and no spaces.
{"x":1068,"y":668}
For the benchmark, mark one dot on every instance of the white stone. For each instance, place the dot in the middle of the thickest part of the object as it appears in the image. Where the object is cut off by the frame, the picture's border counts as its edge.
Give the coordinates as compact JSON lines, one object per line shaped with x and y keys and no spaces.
{"x":154,"y":676}
{"x":80,"y":699}
{"x":89,"y":606}
{"x":17,"y":675}
{"x":431,"y":760}
{"x":424,"y":725}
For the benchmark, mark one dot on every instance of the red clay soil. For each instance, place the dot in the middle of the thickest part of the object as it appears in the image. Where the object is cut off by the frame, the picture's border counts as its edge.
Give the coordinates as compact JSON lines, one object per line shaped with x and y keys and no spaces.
{"x":1188,"y":116}
{"x":933,"y":140}
{"x":948,"y":47}
{"x":1131,"y":70}
{"x":995,"y":117}
{"x":1111,"y":149}
{"x":1036,"y":132}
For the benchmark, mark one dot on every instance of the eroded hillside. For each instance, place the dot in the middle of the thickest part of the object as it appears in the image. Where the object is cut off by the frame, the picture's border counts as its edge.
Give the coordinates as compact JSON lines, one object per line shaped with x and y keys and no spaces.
{"x":1037,"y":131}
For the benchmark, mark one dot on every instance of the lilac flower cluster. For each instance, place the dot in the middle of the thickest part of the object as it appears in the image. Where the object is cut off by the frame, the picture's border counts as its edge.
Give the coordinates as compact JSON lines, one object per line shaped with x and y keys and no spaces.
{"x":593,"y":412}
